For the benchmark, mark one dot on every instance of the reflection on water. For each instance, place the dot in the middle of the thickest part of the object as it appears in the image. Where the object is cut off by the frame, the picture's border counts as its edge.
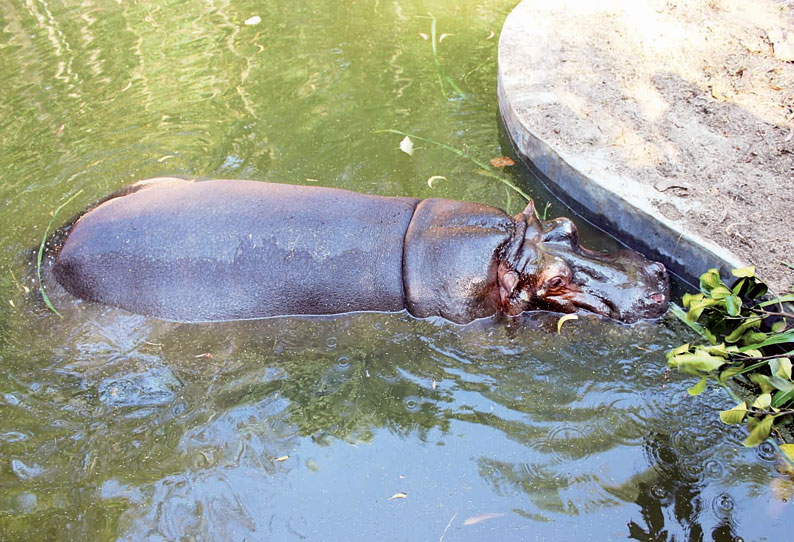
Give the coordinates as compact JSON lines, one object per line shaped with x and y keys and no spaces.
{"x":114,"y":426}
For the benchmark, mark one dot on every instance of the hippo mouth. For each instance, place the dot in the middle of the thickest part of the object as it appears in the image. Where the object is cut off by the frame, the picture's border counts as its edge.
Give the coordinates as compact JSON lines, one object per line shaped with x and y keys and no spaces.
{"x":631,"y":290}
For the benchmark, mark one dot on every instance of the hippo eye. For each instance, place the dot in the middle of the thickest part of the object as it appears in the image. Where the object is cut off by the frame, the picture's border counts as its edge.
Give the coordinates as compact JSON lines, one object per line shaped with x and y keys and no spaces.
{"x":556,"y":282}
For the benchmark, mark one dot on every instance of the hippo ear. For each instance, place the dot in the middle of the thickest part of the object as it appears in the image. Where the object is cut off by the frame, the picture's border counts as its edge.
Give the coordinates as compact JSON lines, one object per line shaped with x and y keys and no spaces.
{"x":529,"y":210}
{"x":528,"y":216}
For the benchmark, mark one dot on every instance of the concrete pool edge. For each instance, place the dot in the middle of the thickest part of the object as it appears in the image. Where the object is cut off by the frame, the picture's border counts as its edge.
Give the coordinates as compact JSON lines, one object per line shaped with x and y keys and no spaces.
{"x":613,"y":202}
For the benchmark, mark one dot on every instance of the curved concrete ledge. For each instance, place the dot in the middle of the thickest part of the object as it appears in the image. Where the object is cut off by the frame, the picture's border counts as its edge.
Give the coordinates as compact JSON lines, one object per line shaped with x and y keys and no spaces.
{"x":603,"y":201}
{"x":534,"y":102}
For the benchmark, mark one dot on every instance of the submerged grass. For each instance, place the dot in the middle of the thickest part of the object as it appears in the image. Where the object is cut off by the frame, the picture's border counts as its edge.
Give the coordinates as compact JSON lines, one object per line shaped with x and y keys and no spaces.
{"x":486,"y":169}
{"x":442,"y":77}
{"x":41,"y":252}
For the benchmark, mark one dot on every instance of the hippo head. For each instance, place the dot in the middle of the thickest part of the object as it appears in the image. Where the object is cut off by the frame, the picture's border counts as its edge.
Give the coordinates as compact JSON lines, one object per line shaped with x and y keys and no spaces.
{"x":545,"y":268}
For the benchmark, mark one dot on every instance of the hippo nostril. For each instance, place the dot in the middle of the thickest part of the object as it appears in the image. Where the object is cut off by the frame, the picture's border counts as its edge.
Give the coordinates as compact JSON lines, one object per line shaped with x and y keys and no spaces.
{"x":656,"y":268}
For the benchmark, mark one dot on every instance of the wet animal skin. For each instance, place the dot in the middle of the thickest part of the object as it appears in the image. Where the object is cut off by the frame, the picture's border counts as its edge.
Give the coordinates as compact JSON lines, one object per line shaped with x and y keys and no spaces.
{"x":223,"y":250}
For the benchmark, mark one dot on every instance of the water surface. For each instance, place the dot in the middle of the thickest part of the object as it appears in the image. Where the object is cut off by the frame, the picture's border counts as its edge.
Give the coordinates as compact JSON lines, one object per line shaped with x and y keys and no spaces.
{"x":357,"y":427}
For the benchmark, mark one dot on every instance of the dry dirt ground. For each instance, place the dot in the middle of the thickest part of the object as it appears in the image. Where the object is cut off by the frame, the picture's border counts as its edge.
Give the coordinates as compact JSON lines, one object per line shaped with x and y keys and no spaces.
{"x":694,"y":98}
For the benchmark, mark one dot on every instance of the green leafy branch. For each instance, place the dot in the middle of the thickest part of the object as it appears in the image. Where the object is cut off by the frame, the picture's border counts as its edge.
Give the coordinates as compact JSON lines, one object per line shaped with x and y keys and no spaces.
{"x":749,"y":345}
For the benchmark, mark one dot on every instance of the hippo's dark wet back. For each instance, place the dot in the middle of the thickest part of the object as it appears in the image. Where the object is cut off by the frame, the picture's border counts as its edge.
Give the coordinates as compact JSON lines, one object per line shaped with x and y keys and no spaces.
{"x":226,"y":250}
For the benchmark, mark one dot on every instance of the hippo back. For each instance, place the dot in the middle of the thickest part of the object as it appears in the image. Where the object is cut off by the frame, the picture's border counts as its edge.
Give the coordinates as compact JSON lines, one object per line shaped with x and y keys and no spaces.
{"x":227,"y":250}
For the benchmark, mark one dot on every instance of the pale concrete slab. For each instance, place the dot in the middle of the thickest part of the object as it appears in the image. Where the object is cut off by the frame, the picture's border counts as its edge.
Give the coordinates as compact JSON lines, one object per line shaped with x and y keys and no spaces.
{"x":667,"y":122}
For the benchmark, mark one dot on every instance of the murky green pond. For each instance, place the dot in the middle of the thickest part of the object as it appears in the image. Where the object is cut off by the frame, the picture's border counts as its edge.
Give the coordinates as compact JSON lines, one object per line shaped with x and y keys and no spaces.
{"x":357,"y":427}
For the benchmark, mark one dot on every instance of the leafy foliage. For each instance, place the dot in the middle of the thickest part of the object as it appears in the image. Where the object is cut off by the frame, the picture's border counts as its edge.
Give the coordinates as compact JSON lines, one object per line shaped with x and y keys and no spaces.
{"x":748,"y":347}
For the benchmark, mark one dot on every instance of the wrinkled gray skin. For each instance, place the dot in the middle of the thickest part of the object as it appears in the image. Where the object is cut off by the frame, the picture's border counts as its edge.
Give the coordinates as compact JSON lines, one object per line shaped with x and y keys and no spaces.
{"x":229,"y":250}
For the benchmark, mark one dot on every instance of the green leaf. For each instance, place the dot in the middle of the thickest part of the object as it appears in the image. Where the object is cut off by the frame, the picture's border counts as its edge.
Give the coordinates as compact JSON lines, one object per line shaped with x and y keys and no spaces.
{"x":709,"y":280}
{"x":763,"y":401}
{"x":737,"y":333}
{"x":694,"y":326}
{"x":690,"y":298}
{"x":786,"y":337}
{"x":781,"y":384}
{"x":720,"y":292}
{"x":763,"y":382}
{"x":782,"y":299}
{"x":744,"y":272}
{"x":41,"y":252}
{"x":698,"y":388}
{"x":737,"y":288}
{"x":781,"y":398}
{"x":696,"y":308}
{"x":788,"y":451}
{"x":734,"y":415}
{"x":699,"y":362}
{"x":733,"y":304}
{"x":760,"y":432}
{"x":678,"y":350}
{"x":718,"y":349}
{"x":781,"y":367}
{"x":754,"y":337}
{"x":729,"y":372}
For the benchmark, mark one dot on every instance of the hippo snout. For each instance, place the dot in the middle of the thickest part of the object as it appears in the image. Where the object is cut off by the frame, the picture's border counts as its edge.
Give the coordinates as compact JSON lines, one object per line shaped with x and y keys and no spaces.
{"x":649,"y":294}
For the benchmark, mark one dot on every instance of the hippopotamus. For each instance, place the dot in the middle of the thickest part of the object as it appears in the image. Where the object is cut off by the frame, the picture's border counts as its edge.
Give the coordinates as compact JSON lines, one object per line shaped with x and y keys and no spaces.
{"x":219,"y":250}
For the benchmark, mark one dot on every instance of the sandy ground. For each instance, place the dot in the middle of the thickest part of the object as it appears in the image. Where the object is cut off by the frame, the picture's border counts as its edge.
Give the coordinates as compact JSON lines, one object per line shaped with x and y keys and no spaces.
{"x":692,"y":98}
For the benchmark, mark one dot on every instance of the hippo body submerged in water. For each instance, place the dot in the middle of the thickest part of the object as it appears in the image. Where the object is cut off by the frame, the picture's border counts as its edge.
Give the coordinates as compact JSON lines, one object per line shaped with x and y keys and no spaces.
{"x":230,"y":250}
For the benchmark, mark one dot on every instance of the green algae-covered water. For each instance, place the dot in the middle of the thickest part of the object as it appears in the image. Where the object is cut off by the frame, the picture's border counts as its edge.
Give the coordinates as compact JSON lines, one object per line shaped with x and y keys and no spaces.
{"x":355,"y":427}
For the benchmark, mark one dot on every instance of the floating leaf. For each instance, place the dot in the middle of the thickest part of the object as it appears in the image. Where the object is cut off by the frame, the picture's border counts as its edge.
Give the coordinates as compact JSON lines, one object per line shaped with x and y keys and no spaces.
{"x":744,"y":272}
{"x":424,"y":36}
{"x":256,"y":19}
{"x":734,"y":415}
{"x":564,"y":319}
{"x":442,"y":36}
{"x":398,"y":496}
{"x":407,"y":146}
{"x":474,"y":520}
{"x":698,"y":388}
{"x":502,"y":161}
{"x":282,"y":458}
{"x":760,"y":432}
{"x":435,"y":178}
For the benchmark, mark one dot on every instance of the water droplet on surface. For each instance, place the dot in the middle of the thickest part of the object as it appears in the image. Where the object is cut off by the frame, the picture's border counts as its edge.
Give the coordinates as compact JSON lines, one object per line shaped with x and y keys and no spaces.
{"x":723,"y":504}
{"x":343,"y":363}
{"x":411,"y":404}
{"x":713,"y":469}
{"x":766,"y":451}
